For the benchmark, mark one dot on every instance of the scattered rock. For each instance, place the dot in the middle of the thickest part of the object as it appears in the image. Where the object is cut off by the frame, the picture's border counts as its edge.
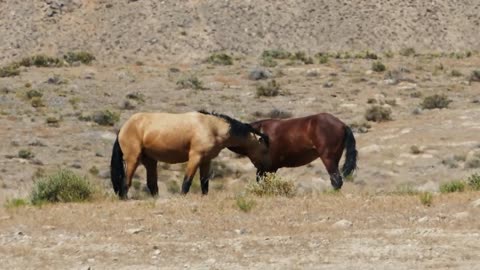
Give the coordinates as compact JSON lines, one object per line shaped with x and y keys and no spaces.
{"x":461,"y":215}
{"x":476,"y":203}
{"x":473,"y":159}
{"x":241,"y":231}
{"x":343,"y":224}
{"x":328,"y":84}
{"x":423,"y":219}
{"x":134,"y":230}
{"x":312,"y":72}
{"x":259,"y":74}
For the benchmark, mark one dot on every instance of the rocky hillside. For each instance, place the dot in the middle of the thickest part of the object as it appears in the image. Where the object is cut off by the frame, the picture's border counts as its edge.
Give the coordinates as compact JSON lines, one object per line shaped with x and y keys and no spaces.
{"x":119,"y":31}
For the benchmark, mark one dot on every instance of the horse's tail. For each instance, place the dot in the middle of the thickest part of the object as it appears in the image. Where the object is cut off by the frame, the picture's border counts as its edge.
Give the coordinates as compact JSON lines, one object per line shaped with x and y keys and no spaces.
{"x":351,"y":157}
{"x":117,"y":171}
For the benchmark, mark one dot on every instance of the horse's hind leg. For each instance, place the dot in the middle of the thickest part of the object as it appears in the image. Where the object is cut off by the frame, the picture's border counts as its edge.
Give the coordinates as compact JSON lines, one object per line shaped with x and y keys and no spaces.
{"x":151,"y":167}
{"x":192,"y":166}
{"x":131,"y":165}
{"x":331,"y":164}
{"x":205,"y":176}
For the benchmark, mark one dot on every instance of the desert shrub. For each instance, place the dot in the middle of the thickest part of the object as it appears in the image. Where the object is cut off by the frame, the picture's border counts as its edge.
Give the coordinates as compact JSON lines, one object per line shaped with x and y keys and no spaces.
{"x":426,"y":198}
{"x":301,"y":56}
{"x":452,"y":186}
{"x":435,"y":101}
{"x":407,"y":52}
{"x":15,"y":202}
{"x":279,"y":114}
{"x":415,"y":150}
{"x":53,"y":121}
{"x":268,"y":62}
{"x":475,"y":76}
{"x":9,"y":71}
{"x":32,"y":93}
{"x":190,"y":82}
{"x":272,"y":185}
{"x":378,"y":113}
{"x":26,"y":154}
{"x":405,"y":189}
{"x":94,"y":170}
{"x":62,"y":186}
{"x":137,"y":96}
{"x":276,"y":54}
{"x":79,"y":56}
{"x":271,"y":89}
{"x":455,"y":73}
{"x":389,"y":54}
{"x":106,"y":118}
{"x":41,"y":60}
{"x":244,"y":203}
{"x":37,"y":102}
{"x":378,"y":66}
{"x":173,"y":187}
{"x":473,"y":181}
{"x":323,"y":59}
{"x":220,"y":59}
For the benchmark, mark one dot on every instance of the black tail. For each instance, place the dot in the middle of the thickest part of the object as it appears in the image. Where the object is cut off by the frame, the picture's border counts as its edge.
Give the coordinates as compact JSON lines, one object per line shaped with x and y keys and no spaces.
{"x":351,"y":157}
{"x":117,"y":171}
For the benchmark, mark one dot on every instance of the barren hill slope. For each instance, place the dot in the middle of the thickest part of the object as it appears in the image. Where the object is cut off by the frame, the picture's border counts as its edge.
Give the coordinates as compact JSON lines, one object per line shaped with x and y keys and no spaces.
{"x":181,"y":30}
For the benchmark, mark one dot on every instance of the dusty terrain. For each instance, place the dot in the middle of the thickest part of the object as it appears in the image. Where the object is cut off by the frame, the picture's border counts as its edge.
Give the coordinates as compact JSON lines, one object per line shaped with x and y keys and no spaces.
{"x":144,"y":48}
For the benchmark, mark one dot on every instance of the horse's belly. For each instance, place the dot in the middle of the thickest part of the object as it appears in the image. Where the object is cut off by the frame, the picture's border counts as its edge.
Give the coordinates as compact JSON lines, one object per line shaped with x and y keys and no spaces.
{"x":297,"y":159}
{"x":168,"y":156}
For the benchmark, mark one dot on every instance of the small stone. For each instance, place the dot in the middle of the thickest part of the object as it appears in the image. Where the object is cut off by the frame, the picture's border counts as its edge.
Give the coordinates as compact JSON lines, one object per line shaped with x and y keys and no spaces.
{"x":259,"y":74}
{"x":328,"y":84}
{"x":210,"y":261}
{"x":312,"y":72}
{"x":343,"y":224}
{"x":134,"y":230}
{"x":241,"y":231}
{"x":423,"y":219}
{"x":476,"y":203}
{"x":156,"y":252}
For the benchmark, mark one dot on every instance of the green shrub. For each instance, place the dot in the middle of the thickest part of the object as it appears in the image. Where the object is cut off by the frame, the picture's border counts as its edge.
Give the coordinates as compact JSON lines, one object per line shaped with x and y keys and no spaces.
{"x":323,"y":59}
{"x":473,"y":181}
{"x":244,"y":203}
{"x":271,"y":89}
{"x":272,"y":185}
{"x":106,"y":118}
{"x":94,"y":170}
{"x":15,"y":202}
{"x":41,"y":60}
{"x":276,"y":54}
{"x":191,"y":82}
{"x":63,"y":186}
{"x":33,"y":93}
{"x":378,"y":113}
{"x":79,"y":56}
{"x":455,"y":73}
{"x":53,"y":121}
{"x":435,"y":101}
{"x":25,"y":154}
{"x":220,"y":59}
{"x":378,"y":66}
{"x":426,"y":198}
{"x":453,"y":186}
{"x":9,"y":71}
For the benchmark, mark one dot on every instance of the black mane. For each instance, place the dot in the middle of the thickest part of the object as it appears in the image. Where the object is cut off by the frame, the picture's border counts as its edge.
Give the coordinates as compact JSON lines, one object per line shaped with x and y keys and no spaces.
{"x":237,"y":128}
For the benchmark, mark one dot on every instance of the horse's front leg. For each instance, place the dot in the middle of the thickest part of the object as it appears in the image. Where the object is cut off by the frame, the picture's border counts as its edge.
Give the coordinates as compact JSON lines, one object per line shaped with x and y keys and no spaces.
{"x":205,"y":175}
{"x":192,"y":166}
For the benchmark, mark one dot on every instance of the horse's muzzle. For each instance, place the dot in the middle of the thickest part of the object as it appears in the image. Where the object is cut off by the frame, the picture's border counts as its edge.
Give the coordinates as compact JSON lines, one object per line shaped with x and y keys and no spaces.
{"x":336,"y":181}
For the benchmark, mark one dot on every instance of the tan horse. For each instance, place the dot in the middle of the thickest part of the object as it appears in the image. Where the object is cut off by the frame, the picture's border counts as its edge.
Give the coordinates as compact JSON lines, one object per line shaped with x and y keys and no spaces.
{"x":196,"y":137}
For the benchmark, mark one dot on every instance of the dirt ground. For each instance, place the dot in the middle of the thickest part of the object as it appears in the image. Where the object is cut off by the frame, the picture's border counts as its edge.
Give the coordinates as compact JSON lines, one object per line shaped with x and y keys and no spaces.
{"x":193,"y":232}
{"x":145,"y":49}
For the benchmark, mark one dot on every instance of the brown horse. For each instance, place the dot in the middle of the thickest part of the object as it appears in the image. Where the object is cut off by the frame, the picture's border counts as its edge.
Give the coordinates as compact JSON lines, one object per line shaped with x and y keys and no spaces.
{"x":296,"y":142}
{"x":196,"y":137}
